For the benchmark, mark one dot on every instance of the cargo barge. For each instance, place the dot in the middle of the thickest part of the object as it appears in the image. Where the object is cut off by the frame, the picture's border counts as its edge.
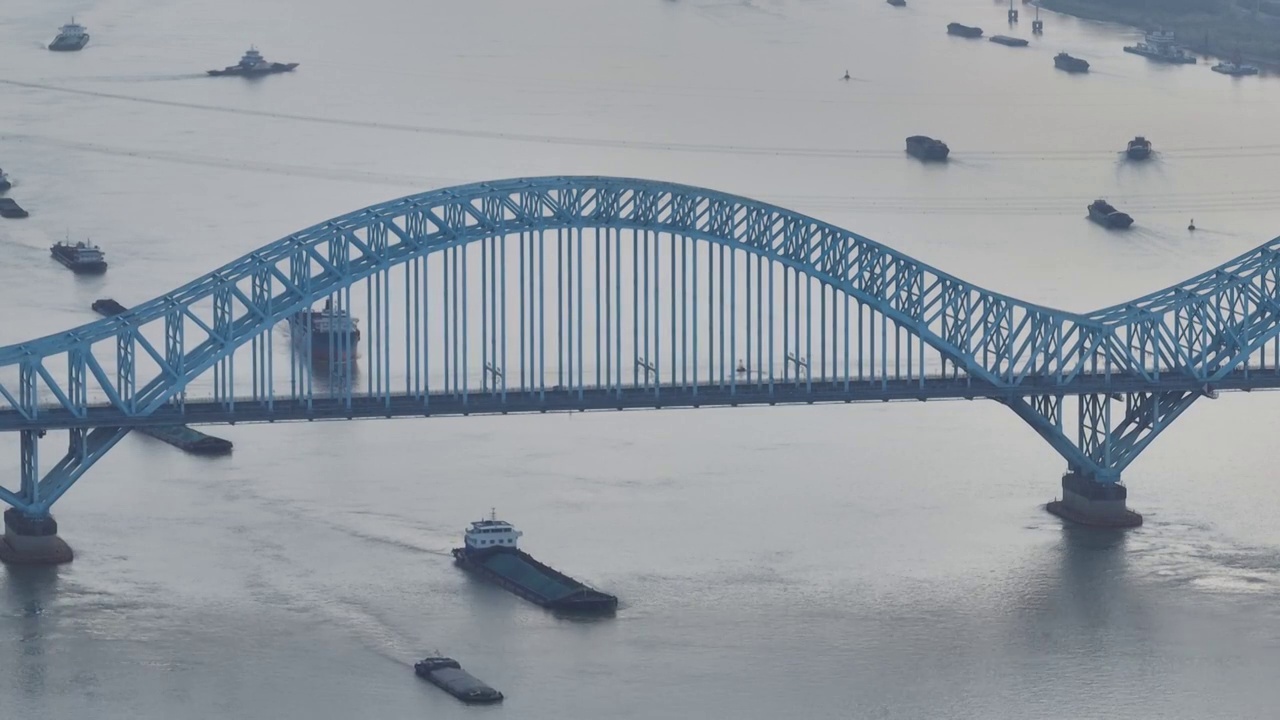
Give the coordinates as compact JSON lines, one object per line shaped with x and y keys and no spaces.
{"x":179,"y":436}
{"x":490,"y":552}
{"x":448,"y":675}
{"x":11,"y":209}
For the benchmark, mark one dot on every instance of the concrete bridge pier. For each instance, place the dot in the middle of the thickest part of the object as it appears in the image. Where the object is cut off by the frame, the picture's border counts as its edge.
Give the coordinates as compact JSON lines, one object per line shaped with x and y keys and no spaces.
{"x":1087,"y":501}
{"x":32,"y":540}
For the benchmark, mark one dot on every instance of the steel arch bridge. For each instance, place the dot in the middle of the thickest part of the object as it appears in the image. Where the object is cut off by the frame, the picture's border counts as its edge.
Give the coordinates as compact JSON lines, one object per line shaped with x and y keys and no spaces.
{"x":592,"y":293}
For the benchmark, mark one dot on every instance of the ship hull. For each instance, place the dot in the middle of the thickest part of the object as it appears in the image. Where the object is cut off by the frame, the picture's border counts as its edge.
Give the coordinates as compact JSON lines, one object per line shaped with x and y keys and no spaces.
{"x":69,"y":45}
{"x":1158,"y":57}
{"x":1071,"y":65}
{"x":81,"y":268}
{"x":1111,"y":221}
{"x":1138,"y":153}
{"x":520,"y":570}
{"x":11,"y":209}
{"x":459,"y":683}
{"x":271,"y":69}
{"x":323,"y":346}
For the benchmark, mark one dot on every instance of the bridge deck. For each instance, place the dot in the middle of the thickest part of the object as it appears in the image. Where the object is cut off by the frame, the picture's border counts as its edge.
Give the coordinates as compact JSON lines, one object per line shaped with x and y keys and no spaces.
{"x":557,"y":399}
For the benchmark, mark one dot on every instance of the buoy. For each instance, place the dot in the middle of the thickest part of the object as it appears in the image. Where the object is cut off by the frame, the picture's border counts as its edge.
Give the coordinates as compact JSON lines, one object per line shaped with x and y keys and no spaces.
{"x":846,"y":75}
{"x":1192,"y":226}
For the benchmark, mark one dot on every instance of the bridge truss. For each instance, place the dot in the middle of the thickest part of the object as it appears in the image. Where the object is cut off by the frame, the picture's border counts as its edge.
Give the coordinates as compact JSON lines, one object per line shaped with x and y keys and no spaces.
{"x":592,"y":293}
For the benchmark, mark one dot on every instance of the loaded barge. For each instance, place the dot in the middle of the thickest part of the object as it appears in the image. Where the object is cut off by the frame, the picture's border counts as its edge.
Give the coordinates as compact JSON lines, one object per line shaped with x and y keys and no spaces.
{"x":179,"y":436}
{"x":446,"y":674}
{"x":490,"y":551}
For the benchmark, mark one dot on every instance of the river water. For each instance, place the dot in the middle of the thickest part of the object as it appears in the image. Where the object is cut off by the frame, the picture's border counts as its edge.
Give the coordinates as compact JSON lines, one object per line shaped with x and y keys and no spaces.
{"x":839,"y":562}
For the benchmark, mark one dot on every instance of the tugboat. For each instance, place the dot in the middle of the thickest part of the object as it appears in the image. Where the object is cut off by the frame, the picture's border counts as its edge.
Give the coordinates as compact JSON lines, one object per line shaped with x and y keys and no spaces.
{"x":4,"y":181}
{"x":1139,"y":148}
{"x":1234,"y":69}
{"x":1063,"y":61}
{"x":1159,"y":45}
{"x":70,"y":37}
{"x":926,"y":148}
{"x":964,"y":30}
{"x":327,"y":334}
{"x":490,"y":551}
{"x":252,"y":64}
{"x":448,"y":675}
{"x":11,"y":209}
{"x":1006,"y":40}
{"x":1102,"y":212}
{"x":82,"y":258}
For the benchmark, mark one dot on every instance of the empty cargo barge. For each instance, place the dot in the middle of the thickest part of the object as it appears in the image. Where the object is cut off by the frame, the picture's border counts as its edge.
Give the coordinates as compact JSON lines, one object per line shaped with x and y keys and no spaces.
{"x":490,"y":551}
{"x":179,"y":436}
{"x":446,"y":674}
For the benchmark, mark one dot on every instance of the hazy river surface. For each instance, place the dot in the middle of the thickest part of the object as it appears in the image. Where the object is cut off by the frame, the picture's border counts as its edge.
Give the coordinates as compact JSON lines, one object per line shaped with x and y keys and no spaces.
{"x":821,"y":562}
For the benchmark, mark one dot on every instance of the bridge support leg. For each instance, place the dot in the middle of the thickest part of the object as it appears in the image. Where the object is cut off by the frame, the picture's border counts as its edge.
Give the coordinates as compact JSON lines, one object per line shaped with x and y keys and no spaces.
{"x":1090,"y":502}
{"x":32,"y":540}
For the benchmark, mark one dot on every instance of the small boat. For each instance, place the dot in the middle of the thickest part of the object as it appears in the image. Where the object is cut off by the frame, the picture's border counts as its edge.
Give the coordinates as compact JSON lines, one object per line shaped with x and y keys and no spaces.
{"x":448,"y":675}
{"x":964,"y":30}
{"x":1160,"y":45}
{"x":926,"y":148}
{"x":1006,"y":40}
{"x":1139,"y":148}
{"x":70,"y":37}
{"x":252,"y":64}
{"x":81,"y":257}
{"x":11,"y":209}
{"x":1103,"y":213}
{"x":1063,"y":61}
{"x":1235,"y":69}
{"x":4,"y":181}
{"x":897,"y":3}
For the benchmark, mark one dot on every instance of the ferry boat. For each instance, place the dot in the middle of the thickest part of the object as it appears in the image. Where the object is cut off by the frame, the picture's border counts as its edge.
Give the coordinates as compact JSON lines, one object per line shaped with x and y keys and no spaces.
{"x":926,"y":148}
{"x":71,"y":36}
{"x":82,"y":257}
{"x":4,"y":180}
{"x":1236,"y":69}
{"x":328,"y":334}
{"x":489,"y":550}
{"x":448,"y":675}
{"x":1139,"y":148}
{"x":1006,"y":40}
{"x":1063,"y":61}
{"x":253,"y":64}
{"x":1103,"y":213}
{"x":1160,"y":45}
{"x":963,"y":30}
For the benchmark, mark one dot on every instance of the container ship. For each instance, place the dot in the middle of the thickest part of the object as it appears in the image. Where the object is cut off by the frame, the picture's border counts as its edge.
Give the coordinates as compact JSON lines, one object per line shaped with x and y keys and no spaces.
{"x":490,"y":551}
{"x":329,"y":334}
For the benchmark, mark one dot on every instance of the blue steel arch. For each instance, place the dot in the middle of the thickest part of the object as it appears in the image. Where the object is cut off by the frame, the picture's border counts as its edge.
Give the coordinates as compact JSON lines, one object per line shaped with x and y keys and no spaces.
{"x":1147,"y":360}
